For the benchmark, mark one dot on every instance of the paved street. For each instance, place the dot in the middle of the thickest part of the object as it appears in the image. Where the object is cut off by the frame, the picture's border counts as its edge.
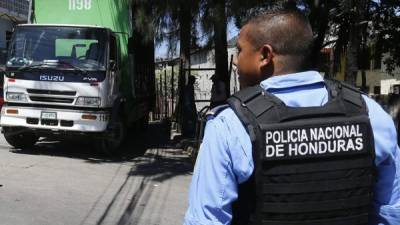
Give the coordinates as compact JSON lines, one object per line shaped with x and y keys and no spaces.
{"x":67,"y":183}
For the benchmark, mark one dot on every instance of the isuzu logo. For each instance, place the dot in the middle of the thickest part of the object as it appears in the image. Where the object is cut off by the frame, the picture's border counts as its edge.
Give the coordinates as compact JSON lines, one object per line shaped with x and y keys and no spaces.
{"x":45,"y":77}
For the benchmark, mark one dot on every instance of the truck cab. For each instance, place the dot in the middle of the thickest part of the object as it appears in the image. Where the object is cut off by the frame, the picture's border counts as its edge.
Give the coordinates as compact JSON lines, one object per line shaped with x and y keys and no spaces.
{"x":59,"y":79}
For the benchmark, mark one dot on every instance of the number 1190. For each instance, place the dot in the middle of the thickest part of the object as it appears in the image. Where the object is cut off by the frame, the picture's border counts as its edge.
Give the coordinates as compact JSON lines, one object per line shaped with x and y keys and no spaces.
{"x":80,"y":4}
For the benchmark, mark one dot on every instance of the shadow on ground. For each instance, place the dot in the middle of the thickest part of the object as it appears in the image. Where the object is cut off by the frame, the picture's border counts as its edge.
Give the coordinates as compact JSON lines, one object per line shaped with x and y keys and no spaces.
{"x":161,"y":162}
{"x":137,"y":142}
{"x":164,"y":165}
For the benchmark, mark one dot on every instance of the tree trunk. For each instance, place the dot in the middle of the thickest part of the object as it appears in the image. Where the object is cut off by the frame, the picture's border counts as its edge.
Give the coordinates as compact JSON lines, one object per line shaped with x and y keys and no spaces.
{"x":364,"y":61}
{"x":319,"y":21}
{"x":220,"y":42}
{"x":353,"y":45}
{"x":144,"y":51}
{"x":186,"y":116}
{"x":365,"y":57}
{"x":351,"y":57}
{"x":364,"y":81}
{"x":185,"y":19}
{"x":331,"y":73}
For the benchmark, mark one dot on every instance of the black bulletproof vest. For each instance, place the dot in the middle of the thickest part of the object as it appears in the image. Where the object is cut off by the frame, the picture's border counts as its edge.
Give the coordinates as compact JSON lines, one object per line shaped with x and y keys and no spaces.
{"x":313,"y":165}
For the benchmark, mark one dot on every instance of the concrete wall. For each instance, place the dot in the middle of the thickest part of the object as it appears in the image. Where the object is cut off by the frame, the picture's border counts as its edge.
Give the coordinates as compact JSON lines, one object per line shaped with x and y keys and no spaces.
{"x":206,"y":59}
{"x":16,"y":9}
{"x":380,"y":78}
{"x":203,"y":59}
{"x":11,"y":13}
{"x":5,"y":25}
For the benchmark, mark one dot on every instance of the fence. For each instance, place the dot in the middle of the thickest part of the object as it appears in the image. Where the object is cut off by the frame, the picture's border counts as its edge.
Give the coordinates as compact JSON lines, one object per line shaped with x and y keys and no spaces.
{"x":166,"y":90}
{"x":20,"y":7}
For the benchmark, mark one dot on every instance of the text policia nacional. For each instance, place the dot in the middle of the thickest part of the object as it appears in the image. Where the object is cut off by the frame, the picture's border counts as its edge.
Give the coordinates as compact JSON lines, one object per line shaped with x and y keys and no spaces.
{"x":313,"y":141}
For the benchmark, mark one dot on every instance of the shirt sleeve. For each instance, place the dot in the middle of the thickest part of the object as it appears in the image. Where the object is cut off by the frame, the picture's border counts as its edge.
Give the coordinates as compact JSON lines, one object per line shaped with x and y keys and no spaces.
{"x":222,"y":164}
{"x":387,"y":188}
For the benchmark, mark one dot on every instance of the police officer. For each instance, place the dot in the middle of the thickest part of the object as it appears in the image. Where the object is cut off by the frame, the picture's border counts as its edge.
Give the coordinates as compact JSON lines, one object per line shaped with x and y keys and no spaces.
{"x":293,"y":148}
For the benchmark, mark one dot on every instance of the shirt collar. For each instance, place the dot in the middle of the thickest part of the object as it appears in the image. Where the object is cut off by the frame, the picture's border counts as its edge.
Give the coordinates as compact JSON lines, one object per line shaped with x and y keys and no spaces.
{"x":292,"y":80}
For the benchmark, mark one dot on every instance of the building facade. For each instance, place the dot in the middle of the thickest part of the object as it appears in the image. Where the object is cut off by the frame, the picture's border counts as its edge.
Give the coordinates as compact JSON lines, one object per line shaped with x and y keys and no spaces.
{"x":12,"y":12}
{"x":380,"y":82}
{"x":202,"y":59}
{"x":377,"y":79}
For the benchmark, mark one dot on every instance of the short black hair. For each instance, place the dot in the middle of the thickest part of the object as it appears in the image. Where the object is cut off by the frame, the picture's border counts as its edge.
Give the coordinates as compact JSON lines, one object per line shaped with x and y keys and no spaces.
{"x":288,"y":31}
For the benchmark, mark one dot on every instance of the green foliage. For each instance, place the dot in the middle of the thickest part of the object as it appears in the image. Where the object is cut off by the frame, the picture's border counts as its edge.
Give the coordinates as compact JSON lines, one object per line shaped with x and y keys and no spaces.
{"x":162,"y":20}
{"x":376,"y":22}
{"x":385,"y":30}
{"x":333,"y":21}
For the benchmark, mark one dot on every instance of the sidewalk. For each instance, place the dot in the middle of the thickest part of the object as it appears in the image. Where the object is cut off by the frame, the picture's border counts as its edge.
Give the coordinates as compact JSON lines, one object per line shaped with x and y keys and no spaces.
{"x":161,"y":197}
{"x":163,"y":194}
{"x":155,"y":191}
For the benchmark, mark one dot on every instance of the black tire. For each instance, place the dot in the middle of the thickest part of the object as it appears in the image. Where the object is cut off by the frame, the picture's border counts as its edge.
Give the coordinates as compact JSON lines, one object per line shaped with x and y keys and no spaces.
{"x":112,"y":141}
{"x":20,"y":137}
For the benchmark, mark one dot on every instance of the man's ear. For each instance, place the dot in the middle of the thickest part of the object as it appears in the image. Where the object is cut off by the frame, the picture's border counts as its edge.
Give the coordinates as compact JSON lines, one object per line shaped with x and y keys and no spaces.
{"x":266,"y":55}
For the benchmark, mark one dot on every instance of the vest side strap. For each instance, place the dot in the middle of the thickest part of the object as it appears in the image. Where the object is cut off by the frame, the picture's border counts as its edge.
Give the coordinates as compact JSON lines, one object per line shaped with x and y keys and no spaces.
{"x":323,"y":206}
{"x":320,"y":166}
{"x":319,"y":186}
{"x":353,"y":220}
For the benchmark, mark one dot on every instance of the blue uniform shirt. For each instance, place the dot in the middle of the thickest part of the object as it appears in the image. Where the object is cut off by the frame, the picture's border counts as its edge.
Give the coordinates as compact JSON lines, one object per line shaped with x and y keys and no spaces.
{"x":225,"y":159}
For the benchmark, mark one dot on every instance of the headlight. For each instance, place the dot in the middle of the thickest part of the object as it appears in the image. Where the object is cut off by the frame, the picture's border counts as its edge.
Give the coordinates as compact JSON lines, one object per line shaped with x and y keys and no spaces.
{"x":88,"y":101}
{"x":16,"y":97}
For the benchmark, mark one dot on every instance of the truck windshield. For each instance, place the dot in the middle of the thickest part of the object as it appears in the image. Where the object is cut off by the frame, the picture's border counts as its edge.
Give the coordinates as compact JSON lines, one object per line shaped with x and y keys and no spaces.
{"x":83,"y":48}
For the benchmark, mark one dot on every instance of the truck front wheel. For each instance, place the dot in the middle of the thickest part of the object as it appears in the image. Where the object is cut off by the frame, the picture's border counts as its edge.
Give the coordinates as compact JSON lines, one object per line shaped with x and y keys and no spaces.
{"x":112,"y":141}
{"x":20,"y":137}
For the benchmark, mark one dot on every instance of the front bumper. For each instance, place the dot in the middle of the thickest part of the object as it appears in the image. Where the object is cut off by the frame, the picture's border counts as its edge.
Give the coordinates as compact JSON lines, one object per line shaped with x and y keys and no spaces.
{"x":66,"y":120}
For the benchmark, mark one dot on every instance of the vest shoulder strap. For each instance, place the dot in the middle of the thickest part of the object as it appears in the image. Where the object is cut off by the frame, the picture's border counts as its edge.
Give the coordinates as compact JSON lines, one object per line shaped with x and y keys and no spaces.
{"x":348,"y":92}
{"x":237,"y":102}
{"x":216,"y":110}
{"x":250,"y":103}
{"x":253,"y":103}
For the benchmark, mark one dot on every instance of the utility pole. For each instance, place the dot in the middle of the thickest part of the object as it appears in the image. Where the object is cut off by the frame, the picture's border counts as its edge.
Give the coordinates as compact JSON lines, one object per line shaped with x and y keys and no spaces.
{"x":30,"y":11}
{"x":165,"y":92}
{"x":172,"y":89}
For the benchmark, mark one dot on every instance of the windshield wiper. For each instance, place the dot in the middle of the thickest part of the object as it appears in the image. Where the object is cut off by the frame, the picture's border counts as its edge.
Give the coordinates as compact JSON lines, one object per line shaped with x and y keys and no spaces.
{"x":76,"y":68}
{"x":55,"y":64}
{"x":28,"y":67}
{"x":36,"y":65}
{"x":84,"y":73}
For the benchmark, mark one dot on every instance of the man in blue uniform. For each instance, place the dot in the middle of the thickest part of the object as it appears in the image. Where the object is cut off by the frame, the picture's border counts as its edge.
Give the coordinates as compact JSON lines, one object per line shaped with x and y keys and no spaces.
{"x":272,"y":53}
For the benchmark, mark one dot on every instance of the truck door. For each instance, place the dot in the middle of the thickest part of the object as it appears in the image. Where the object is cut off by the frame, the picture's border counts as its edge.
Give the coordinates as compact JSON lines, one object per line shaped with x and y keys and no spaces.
{"x":114,"y":68}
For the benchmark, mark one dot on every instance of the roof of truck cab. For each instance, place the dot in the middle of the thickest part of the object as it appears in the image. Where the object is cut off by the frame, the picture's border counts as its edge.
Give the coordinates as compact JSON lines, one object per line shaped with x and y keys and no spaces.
{"x":61,"y":25}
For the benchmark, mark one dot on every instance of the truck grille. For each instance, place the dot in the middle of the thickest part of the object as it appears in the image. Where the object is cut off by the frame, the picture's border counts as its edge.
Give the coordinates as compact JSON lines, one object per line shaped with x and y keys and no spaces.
{"x":51,"y":99}
{"x":51,"y":92}
{"x":63,"y":123}
{"x":49,"y":122}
